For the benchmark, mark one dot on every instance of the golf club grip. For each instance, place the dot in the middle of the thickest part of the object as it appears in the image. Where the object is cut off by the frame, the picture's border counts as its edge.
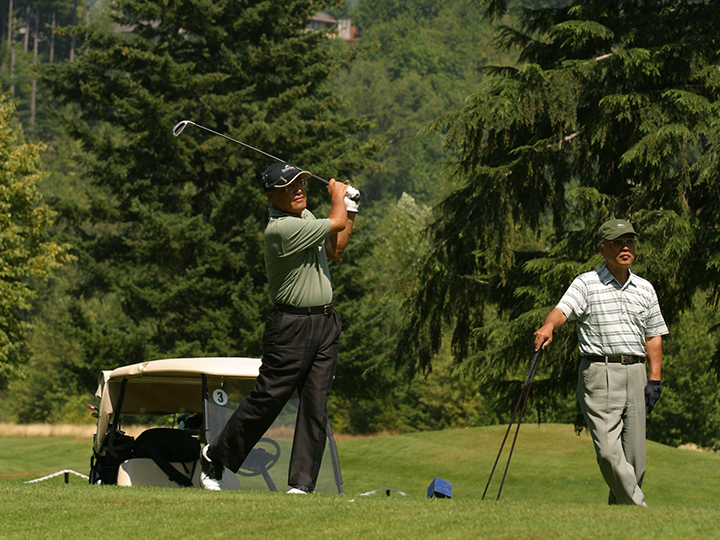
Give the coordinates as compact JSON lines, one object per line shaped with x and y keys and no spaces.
{"x":316,"y":177}
{"x":533,"y":366}
{"x":355,"y":197}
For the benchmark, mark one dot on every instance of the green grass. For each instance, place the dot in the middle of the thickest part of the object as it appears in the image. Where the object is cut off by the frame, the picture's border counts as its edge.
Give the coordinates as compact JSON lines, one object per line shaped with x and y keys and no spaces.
{"x":550,"y":464}
{"x":553,"y":490}
{"x":27,"y":458}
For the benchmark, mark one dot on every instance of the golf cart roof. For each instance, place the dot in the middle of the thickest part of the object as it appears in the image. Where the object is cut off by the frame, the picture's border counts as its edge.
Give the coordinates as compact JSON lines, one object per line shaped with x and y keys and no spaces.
{"x":188,"y":368}
{"x":165,"y":386}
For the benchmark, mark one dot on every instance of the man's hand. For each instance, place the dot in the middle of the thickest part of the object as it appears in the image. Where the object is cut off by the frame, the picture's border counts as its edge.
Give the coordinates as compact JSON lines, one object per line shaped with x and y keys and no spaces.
{"x":338,"y":213}
{"x":652,"y":394}
{"x":352,"y":206}
{"x":544,"y":335}
{"x":336,"y":189}
{"x":353,"y":193}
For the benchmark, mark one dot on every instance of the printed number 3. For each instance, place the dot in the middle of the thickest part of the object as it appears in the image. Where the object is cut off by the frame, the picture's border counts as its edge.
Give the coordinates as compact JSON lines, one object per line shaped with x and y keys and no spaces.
{"x":220,"y":397}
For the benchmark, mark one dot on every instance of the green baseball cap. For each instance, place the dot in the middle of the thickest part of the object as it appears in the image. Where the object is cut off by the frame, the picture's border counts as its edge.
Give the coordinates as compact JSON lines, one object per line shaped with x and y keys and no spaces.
{"x":610,"y":230}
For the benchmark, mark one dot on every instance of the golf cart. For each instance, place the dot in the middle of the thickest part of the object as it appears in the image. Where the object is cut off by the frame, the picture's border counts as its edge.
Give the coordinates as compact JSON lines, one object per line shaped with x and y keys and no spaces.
{"x":191,"y":399}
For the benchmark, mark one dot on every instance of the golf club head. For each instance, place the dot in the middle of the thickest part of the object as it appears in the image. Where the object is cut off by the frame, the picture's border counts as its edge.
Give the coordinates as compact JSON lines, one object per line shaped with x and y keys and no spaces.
{"x":178,"y":129}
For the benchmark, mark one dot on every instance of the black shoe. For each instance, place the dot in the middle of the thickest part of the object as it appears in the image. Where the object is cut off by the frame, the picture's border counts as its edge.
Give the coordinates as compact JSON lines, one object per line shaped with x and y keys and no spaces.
{"x":211,"y":473}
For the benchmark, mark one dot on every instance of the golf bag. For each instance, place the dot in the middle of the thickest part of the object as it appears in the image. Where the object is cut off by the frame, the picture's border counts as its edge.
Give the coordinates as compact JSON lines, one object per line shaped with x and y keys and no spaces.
{"x":104,"y":464}
{"x":165,"y":445}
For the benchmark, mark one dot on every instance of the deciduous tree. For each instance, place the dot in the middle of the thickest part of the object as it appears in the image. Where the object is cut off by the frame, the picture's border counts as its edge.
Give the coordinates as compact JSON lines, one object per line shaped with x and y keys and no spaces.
{"x":26,"y":254}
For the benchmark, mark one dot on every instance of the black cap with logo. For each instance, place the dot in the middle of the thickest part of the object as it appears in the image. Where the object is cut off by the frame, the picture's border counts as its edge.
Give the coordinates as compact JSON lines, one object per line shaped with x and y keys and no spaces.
{"x":281,"y":175}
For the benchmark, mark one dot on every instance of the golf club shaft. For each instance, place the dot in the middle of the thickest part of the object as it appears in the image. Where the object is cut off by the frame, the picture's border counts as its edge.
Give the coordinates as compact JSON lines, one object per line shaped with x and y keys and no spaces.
{"x":334,"y":458}
{"x":517,"y":430}
{"x":502,"y":445}
{"x":524,"y":393}
{"x":181,"y":125}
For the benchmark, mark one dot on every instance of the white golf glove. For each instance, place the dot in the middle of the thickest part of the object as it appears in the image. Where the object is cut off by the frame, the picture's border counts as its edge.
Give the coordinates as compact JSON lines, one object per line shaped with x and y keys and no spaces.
{"x":352,"y":206}
{"x":352,"y":199}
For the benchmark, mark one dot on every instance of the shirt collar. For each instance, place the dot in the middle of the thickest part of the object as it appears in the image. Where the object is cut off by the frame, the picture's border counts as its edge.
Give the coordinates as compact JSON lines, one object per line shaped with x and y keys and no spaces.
{"x":606,"y":276}
{"x":276,"y":213}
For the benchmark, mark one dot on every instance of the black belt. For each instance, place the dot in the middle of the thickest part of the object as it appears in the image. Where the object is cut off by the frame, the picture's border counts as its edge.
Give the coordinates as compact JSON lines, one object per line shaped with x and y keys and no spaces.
{"x":326,"y":309}
{"x":617,"y":359}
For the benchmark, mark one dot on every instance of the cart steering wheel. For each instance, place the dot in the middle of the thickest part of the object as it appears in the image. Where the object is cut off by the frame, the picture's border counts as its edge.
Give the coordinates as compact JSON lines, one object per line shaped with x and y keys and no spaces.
{"x":259,"y":460}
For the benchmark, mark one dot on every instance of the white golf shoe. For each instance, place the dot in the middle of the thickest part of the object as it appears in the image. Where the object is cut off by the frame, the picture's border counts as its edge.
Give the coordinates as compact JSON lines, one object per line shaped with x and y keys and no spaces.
{"x":210,"y":472}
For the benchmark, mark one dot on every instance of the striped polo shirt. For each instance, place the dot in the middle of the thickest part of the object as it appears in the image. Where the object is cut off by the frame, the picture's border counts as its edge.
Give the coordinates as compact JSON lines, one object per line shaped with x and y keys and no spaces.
{"x":612,"y":320}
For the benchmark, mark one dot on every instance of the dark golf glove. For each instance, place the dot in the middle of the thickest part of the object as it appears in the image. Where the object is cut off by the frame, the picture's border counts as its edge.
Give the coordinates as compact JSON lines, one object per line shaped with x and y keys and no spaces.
{"x":652,"y":394}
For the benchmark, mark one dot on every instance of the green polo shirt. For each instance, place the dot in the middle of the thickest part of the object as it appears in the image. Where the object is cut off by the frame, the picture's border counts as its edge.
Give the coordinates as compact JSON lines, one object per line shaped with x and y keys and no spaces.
{"x":295,"y":259}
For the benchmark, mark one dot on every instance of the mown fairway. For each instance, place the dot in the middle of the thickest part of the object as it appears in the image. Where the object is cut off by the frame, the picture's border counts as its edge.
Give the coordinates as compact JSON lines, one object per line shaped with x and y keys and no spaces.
{"x":553,"y":490}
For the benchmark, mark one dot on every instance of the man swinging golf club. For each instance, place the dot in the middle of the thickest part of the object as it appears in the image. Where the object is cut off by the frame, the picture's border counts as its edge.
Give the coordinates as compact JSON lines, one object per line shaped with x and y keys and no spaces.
{"x":300,"y":342}
{"x":619,"y":326}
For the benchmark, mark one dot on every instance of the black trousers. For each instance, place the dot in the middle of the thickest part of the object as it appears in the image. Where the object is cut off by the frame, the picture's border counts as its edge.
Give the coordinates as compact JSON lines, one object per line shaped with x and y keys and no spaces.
{"x":299,"y":352}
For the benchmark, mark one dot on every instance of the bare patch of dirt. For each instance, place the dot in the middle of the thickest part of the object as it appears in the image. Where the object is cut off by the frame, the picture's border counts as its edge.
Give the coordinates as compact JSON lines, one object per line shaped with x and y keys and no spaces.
{"x":695,"y":448}
{"x":86,"y":431}
{"x":78,"y":431}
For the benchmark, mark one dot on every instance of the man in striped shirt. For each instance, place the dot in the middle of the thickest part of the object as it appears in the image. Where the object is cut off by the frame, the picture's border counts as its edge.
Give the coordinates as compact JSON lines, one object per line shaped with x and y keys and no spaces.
{"x":619,"y":326}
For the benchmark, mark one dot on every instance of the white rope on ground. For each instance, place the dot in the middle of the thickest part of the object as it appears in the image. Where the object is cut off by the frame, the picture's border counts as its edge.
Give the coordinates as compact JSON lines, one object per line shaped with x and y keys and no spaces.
{"x":387,"y":491}
{"x":53,"y":475}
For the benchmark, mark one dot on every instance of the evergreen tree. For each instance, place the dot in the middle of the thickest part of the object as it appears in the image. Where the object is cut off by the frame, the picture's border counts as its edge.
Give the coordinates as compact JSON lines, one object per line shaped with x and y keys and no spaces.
{"x":172,"y":230}
{"x":612,"y":111}
{"x":689,"y":410}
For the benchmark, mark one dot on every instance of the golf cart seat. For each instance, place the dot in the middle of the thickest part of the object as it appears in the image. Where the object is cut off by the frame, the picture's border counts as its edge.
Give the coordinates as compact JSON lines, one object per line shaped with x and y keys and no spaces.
{"x":145,"y":472}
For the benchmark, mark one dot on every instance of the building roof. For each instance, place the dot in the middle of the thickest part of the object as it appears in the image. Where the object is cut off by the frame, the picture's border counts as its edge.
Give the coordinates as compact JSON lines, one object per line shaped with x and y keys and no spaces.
{"x":321,"y":17}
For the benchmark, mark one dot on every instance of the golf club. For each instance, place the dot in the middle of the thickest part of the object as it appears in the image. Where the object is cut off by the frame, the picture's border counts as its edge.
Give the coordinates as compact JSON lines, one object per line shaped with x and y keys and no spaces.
{"x":352,"y":193}
{"x":523,"y":394}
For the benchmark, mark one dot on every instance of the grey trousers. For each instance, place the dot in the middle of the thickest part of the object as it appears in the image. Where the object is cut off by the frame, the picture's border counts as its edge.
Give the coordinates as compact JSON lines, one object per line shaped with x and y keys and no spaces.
{"x":612,"y":398}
